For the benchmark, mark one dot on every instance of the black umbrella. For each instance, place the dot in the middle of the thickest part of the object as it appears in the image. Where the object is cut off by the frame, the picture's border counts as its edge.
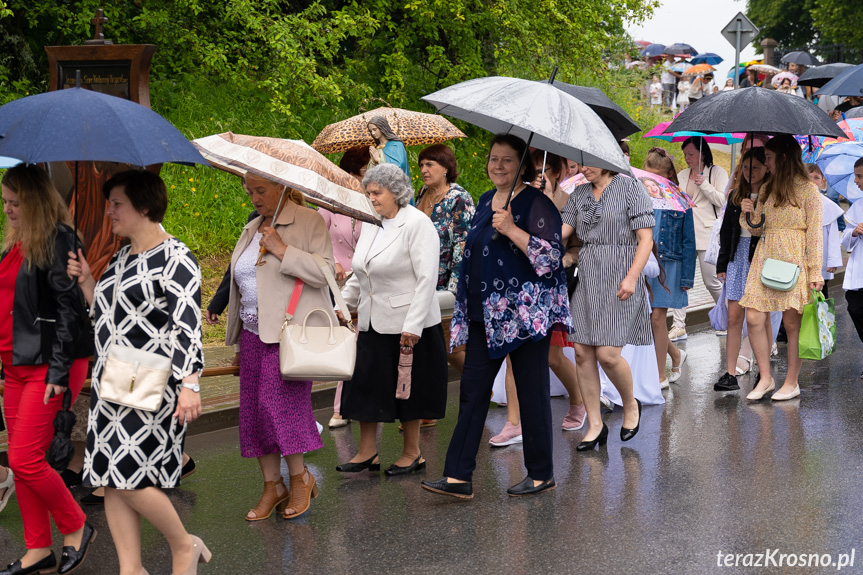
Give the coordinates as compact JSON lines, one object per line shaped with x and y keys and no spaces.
{"x":680,"y":48}
{"x":612,"y":115}
{"x":755,"y":110}
{"x":820,"y":75}
{"x":61,"y":451}
{"x":847,"y":83}
{"x":800,"y":57}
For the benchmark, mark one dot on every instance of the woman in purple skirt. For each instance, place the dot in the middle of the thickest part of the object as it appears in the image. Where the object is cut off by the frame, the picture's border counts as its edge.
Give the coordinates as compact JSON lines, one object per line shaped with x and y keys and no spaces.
{"x":276,"y":415}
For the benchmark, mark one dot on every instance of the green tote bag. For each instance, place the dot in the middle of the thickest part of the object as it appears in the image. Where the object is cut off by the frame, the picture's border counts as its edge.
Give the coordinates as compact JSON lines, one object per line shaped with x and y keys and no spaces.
{"x":817,"y":328}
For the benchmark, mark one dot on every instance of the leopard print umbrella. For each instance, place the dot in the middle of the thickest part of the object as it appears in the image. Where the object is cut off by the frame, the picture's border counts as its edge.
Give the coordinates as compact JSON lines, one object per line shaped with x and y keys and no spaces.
{"x":414,"y":129}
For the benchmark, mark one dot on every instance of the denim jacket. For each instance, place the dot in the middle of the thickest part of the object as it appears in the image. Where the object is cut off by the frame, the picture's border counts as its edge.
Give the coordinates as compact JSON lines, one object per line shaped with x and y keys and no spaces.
{"x":674,"y":236}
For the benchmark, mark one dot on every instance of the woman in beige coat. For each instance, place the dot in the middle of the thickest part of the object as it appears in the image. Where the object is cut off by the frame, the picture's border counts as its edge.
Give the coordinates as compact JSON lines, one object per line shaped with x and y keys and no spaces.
{"x":276,"y":416}
{"x":705,"y":183}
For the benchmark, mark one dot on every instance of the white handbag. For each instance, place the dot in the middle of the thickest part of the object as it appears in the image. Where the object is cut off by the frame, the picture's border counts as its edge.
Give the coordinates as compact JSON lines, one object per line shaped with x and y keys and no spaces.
{"x":326,"y":353}
{"x":132,"y":377}
{"x":711,"y":255}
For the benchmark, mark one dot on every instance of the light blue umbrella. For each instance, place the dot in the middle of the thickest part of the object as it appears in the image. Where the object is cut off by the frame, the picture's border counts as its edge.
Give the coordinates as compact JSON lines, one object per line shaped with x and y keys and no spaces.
{"x":837,"y":163}
{"x":7,"y":162}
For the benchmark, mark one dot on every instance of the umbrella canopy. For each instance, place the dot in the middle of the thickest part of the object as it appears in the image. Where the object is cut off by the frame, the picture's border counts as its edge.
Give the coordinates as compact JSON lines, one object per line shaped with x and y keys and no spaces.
{"x":643,"y":43}
{"x":414,"y":128}
{"x":76,"y":125}
{"x":781,"y":76}
{"x":837,"y":163}
{"x":764,"y":68}
{"x":707,"y":58}
{"x":854,"y":113}
{"x":755,"y":110}
{"x":803,"y":58}
{"x":292,"y":163}
{"x":614,"y":117}
{"x":700,"y":69}
{"x":560,"y":123}
{"x":847,"y":83}
{"x":813,"y":146}
{"x":652,"y":50}
{"x":660,"y":132}
{"x":820,"y":75}
{"x":6,"y":162}
{"x":680,"y":48}
{"x":681,"y":67}
{"x":664,"y":194}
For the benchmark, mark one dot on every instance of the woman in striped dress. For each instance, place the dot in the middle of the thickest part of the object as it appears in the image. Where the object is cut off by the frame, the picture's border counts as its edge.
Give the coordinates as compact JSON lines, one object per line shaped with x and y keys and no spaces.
{"x":613,"y":216}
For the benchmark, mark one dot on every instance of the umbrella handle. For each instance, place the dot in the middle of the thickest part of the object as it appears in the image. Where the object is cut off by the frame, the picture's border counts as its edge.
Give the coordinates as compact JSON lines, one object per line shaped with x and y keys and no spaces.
{"x":750,"y":224}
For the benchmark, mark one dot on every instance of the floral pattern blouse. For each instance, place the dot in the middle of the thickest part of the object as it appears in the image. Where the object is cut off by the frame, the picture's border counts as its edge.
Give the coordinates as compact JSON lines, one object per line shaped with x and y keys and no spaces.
{"x":451,"y":218}
{"x":523,"y":296}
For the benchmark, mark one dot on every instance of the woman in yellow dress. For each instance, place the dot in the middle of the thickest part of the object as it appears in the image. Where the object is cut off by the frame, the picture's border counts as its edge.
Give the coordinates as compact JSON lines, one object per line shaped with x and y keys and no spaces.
{"x":791,"y":206}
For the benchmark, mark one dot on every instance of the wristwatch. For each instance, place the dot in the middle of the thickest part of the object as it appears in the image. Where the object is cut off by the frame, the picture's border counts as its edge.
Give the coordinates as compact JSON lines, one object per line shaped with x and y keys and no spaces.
{"x":193,"y":386}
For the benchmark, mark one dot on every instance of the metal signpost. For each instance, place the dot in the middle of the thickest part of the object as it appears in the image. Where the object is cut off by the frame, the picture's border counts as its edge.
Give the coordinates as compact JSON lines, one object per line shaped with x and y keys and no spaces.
{"x":739,"y":32}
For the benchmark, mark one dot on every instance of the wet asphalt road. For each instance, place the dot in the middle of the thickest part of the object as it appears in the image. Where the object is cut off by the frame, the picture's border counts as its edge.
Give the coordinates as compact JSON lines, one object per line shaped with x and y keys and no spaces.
{"x":708,"y":473}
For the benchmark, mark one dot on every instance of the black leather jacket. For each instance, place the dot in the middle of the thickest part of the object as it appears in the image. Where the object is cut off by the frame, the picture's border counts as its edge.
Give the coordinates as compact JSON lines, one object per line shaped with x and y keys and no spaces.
{"x":729,"y":237}
{"x":50,"y":323}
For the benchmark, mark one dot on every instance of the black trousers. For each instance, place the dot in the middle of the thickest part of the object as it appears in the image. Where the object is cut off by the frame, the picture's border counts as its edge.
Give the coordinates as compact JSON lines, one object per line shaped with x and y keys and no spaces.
{"x":854,"y":298}
{"x":530,"y":368}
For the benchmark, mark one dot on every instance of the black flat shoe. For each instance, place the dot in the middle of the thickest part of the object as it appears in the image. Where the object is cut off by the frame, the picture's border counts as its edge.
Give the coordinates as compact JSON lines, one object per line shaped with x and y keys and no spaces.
{"x":72,"y":558}
{"x":46,"y":565}
{"x":726,"y":383}
{"x":188,"y":469}
{"x":526,"y":487}
{"x":443,"y":487}
{"x":91,"y":499}
{"x":359,"y":466}
{"x":70,"y":478}
{"x":627,"y":434}
{"x":601,"y":439}
{"x":394,"y":469}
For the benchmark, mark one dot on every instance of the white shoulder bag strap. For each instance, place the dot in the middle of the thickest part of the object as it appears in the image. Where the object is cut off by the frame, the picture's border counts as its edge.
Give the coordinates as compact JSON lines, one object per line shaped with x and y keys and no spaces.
{"x":334,"y":288}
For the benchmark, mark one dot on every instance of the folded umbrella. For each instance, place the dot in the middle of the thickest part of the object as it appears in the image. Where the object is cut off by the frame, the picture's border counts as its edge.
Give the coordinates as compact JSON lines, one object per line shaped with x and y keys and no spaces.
{"x":819,"y":75}
{"x":612,"y":115}
{"x":799,"y":57}
{"x":292,"y":163}
{"x":414,"y":128}
{"x":849,"y":82}
{"x":837,"y":164}
{"x":61,"y":451}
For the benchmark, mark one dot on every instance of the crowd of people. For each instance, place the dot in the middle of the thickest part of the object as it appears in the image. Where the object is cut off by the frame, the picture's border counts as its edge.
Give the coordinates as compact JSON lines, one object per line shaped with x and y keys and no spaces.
{"x":558,"y":269}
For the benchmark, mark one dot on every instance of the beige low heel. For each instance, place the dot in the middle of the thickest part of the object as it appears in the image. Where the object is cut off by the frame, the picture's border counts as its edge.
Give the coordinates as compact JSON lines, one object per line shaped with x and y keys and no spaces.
{"x":202,"y":555}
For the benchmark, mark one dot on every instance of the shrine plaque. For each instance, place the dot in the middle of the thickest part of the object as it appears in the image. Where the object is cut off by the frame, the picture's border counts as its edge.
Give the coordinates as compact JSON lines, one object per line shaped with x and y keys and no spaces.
{"x":121,"y":70}
{"x":112,"y":78}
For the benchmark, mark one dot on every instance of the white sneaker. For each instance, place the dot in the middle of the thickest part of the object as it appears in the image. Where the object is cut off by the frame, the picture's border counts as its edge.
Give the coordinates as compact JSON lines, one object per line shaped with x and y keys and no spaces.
{"x":774,"y":351}
{"x":677,"y":334}
{"x":664,"y":384}
{"x":607,"y":404}
{"x":8,"y":487}
{"x":721,"y":333}
{"x":675,"y":375}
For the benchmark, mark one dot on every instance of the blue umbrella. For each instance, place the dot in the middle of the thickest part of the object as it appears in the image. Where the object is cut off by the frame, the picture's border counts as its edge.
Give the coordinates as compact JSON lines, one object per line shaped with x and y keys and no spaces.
{"x":707,"y":58}
{"x":846,"y":83}
{"x":82,"y":125}
{"x":837,"y":163}
{"x":652,"y":50}
{"x":8,"y":162}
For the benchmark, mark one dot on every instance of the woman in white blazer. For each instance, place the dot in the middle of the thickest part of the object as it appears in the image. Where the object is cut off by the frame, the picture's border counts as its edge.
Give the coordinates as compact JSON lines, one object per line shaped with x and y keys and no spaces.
{"x":705,"y":183}
{"x":395,"y":273}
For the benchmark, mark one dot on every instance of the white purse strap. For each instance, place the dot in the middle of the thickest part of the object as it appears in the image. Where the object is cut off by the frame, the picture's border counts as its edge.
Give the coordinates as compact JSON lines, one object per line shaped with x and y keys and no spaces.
{"x":334,"y":288}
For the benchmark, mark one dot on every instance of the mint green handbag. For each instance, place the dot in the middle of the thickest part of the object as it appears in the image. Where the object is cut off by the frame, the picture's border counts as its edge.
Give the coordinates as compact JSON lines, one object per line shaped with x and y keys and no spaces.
{"x":779,"y":275}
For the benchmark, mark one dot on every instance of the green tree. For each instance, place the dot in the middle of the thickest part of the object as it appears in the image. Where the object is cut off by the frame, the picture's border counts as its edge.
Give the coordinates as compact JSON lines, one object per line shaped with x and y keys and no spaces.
{"x":789,"y":22}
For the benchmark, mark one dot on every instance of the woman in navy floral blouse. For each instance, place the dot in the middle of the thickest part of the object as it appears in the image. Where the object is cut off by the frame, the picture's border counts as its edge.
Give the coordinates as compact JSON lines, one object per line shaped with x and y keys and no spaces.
{"x":451,"y":210}
{"x":511,"y":295}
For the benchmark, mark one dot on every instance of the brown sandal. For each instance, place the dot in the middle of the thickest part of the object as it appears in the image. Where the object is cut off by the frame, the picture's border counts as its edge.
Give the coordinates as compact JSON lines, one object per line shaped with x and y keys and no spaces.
{"x":301,"y":494}
{"x":270,"y":500}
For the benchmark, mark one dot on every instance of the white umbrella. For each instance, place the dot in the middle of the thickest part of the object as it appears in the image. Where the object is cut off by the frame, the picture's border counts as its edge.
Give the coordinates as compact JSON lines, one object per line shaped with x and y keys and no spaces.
{"x":553,"y":120}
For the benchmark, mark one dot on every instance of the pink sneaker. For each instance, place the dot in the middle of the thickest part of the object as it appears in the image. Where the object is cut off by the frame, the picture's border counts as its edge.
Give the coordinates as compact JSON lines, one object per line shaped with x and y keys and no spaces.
{"x":509,"y":435}
{"x":574,"y":419}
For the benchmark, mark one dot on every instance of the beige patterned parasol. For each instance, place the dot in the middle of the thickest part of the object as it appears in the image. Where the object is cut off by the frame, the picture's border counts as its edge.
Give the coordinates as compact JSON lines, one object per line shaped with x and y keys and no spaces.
{"x":414,"y":128}
{"x":292,"y":163}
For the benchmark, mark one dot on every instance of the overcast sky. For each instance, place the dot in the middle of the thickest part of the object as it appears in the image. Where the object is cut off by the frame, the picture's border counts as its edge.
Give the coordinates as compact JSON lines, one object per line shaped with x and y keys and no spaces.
{"x":697,"y":23}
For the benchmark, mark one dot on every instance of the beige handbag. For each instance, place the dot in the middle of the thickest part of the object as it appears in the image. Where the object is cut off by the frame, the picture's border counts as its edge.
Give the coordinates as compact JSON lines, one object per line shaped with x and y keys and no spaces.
{"x":314,"y":353}
{"x":132,"y":377}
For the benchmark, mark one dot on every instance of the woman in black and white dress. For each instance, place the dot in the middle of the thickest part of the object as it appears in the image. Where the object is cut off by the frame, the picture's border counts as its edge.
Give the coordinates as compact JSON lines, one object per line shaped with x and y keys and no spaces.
{"x":133,"y":453}
{"x":613,"y":216}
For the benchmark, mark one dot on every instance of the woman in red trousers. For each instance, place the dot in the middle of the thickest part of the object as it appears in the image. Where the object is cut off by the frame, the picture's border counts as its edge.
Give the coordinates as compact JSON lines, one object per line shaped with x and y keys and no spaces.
{"x":42,"y":311}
